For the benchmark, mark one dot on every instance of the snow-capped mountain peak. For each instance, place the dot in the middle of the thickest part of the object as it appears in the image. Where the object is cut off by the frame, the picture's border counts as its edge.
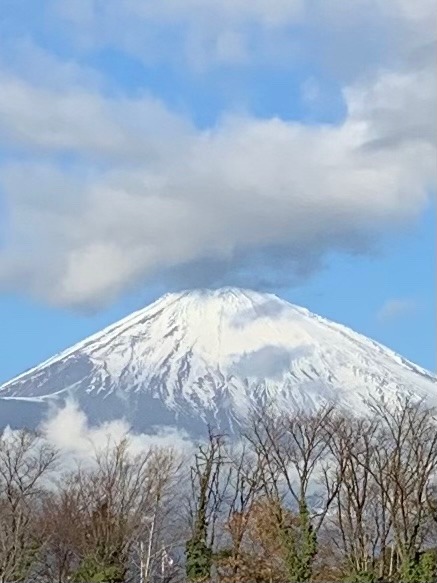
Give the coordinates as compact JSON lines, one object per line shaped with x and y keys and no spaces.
{"x":212,"y":355}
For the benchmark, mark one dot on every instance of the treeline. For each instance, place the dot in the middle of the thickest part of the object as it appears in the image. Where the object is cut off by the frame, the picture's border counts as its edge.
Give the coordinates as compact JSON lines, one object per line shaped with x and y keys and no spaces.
{"x":299,"y":497}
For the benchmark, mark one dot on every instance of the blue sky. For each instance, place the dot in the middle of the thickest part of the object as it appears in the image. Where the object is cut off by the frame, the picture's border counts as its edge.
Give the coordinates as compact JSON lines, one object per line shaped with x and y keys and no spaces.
{"x":283,"y":145}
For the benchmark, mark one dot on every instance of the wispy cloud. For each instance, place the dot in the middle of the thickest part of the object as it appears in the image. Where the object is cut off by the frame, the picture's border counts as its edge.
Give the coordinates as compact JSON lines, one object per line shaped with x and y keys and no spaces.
{"x":204,"y":35}
{"x":396,"y":308}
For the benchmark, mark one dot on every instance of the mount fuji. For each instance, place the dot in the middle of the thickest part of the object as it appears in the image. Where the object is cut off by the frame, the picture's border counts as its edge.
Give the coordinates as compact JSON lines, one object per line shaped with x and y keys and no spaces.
{"x":205,"y":356}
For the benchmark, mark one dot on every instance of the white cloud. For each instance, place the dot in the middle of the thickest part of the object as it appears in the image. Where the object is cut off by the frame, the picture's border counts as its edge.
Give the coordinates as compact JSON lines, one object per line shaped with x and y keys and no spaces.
{"x":395,"y":308}
{"x":67,"y":430}
{"x":145,"y":191}
{"x":75,"y":120}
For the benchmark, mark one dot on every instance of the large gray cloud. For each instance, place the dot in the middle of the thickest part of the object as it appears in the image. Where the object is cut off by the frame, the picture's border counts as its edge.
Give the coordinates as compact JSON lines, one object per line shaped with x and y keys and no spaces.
{"x":144,"y":191}
{"x":104,"y":191}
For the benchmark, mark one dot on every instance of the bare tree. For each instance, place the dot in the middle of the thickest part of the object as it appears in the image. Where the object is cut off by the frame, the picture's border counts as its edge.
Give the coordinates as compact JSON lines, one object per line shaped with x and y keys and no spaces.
{"x":361,"y":520}
{"x":26,"y":463}
{"x":209,"y":481}
{"x":245,"y":489}
{"x":116,"y":498}
{"x":160,"y":534}
{"x":297,"y":473}
{"x":404,"y":465}
{"x":62,"y":518}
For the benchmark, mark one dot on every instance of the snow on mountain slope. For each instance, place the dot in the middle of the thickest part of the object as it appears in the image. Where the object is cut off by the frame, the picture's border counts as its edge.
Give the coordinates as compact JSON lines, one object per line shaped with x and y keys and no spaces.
{"x":202,"y":355}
